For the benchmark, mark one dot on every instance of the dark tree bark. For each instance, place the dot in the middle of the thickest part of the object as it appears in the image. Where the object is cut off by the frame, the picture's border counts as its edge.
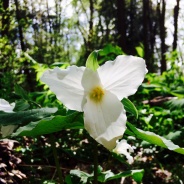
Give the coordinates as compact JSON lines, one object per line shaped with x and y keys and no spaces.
{"x":162,"y":35}
{"x":90,"y":36}
{"x":153,"y":27}
{"x":145,"y":31}
{"x":176,"y":13}
{"x":29,"y":77}
{"x":132,"y":14}
{"x":121,"y":24}
{"x":150,"y":30}
{"x":19,"y":26}
{"x":5,"y":18}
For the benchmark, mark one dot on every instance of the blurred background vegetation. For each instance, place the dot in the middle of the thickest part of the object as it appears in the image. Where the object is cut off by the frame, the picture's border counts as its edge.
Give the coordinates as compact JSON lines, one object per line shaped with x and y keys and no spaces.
{"x":61,"y":33}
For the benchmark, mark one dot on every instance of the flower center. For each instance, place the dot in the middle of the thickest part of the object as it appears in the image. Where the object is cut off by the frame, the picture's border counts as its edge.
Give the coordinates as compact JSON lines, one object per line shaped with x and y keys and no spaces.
{"x":96,"y":94}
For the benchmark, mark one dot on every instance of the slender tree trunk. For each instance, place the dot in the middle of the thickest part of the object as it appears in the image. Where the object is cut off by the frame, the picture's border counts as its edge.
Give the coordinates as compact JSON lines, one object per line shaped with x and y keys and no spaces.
{"x":19,"y":26}
{"x":5,"y":18}
{"x":90,"y":36}
{"x":132,"y":17}
{"x":26,"y":69}
{"x":153,"y":31}
{"x":121,"y":24}
{"x":145,"y":32}
{"x":89,"y":43}
{"x":87,"y":36}
{"x":176,"y":13}
{"x":162,"y":36}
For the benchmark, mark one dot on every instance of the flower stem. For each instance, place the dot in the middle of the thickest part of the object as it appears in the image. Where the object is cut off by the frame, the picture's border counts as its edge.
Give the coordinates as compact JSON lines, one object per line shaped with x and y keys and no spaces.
{"x":95,"y":163}
{"x":53,"y":146}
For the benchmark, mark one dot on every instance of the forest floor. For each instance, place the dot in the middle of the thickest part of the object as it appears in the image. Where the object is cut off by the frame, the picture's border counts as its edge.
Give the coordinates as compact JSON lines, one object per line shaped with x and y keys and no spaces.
{"x":14,"y":168}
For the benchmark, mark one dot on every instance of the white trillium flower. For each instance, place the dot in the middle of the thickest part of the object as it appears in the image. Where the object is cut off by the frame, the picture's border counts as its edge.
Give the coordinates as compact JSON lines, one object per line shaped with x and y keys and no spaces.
{"x":124,"y":148}
{"x":6,"y":107}
{"x":98,"y":94}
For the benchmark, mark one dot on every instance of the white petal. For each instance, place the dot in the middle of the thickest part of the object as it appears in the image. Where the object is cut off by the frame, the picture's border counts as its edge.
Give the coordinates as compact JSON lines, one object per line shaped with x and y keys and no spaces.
{"x":124,"y":148}
{"x":123,"y":75}
{"x":90,"y":79}
{"x":5,"y":106}
{"x":66,"y":84}
{"x":105,"y":121}
{"x":7,"y":130}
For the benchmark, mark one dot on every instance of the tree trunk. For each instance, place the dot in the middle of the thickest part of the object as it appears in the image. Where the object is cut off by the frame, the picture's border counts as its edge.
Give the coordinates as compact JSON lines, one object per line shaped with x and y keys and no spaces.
{"x":176,"y":13}
{"x":162,"y":36}
{"x":5,"y":18}
{"x":19,"y":26}
{"x":145,"y":32}
{"x":29,"y":77}
{"x":153,"y":31}
{"x":121,"y":24}
{"x":90,"y":36}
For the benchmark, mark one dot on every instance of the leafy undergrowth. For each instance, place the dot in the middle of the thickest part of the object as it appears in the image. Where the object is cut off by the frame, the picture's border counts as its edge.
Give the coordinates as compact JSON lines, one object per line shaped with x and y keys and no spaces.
{"x":30,"y":160}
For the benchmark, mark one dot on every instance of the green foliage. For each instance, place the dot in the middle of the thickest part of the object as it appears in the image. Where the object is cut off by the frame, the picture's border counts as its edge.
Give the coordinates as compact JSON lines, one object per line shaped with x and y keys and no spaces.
{"x":155,"y":139}
{"x":109,"y":53}
{"x":92,"y":61}
{"x":52,"y":38}
{"x":49,"y":182}
{"x":24,"y":117}
{"x":50,"y":125}
{"x":129,"y":107}
{"x":21,"y":92}
{"x":140,"y":50}
{"x":104,"y":176}
{"x":176,"y":103}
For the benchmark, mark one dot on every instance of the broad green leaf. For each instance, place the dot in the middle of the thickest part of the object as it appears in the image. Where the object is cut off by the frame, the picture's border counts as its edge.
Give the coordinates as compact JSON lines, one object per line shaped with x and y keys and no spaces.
{"x":176,"y":103}
{"x":21,"y":105}
{"x":50,"y":125}
{"x":82,"y":175}
{"x":140,"y":51}
{"x":68,"y":179}
{"x":155,"y":139}
{"x":92,"y":61}
{"x":129,"y":107}
{"x":103,"y":177}
{"x":21,"y":92}
{"x":179,"y":91}
{"x":24,"y":117}
{"x":60,"y":64}
{"x":177,"y":136}
{"x":109,"y":49}
{"x":137,"y":175}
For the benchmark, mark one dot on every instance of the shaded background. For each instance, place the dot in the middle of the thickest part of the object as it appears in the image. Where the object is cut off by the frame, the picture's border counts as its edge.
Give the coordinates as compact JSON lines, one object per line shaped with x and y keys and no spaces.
{"x":67,"y":31}
{"x":62,"y":32}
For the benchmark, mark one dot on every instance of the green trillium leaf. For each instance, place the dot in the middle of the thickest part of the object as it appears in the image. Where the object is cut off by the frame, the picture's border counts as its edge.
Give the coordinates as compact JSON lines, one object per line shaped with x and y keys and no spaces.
{"x":50,"y":125}
{"x":103,"y":177}
{"x":154,"y":139}
{"x":92,"y":61}
{"x":130,"y":107}
{"x":21,"y":105}
{"x":24,"y":117}
{"x":140,"y":51}
{"x":21,"y":92}
{"x":137,"y":175}
{"x":82,"y":175}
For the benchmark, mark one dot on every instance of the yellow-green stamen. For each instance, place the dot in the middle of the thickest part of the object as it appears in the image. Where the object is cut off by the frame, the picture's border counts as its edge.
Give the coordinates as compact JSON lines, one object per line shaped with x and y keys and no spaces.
{"x":97,"y":94}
